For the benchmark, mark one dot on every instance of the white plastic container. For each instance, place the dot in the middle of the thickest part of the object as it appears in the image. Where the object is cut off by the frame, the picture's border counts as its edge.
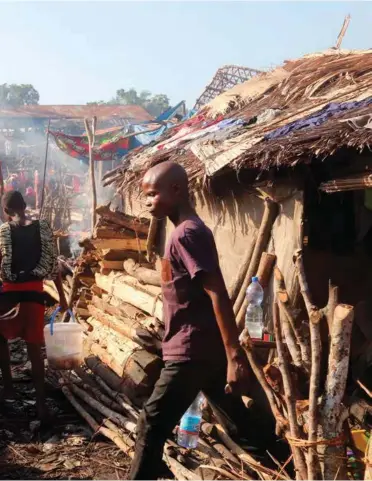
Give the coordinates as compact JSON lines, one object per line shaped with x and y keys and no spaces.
{"x":64,"y":344}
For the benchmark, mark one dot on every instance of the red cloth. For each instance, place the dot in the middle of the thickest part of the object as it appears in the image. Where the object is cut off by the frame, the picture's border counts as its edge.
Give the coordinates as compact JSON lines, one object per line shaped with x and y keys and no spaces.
{"x":29,"y":324}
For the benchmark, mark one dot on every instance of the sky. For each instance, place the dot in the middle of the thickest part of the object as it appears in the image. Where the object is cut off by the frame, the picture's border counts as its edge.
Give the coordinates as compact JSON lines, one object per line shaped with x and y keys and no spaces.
{"x":77,"y":52}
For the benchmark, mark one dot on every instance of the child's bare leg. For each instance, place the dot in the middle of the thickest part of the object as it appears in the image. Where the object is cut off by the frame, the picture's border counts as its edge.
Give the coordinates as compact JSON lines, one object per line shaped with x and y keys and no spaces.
{"x":6,"y":372}
{"x":37,"y":369}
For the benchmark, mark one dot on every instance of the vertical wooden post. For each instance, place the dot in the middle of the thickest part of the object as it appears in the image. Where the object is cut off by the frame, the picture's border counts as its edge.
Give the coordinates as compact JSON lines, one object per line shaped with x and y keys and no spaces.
{"x":341,"y":35}
{"x":91,"y":132}
{"x":2,"y":216}
{"x":44,"y":174}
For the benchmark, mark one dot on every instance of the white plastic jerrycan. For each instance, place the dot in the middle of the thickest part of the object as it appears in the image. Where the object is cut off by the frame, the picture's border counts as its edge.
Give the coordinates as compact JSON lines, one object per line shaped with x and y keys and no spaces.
{"x":64,"y":343}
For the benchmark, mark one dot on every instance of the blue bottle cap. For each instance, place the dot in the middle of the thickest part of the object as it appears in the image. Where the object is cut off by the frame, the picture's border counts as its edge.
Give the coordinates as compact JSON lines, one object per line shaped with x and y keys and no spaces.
{"x":255,"y":279}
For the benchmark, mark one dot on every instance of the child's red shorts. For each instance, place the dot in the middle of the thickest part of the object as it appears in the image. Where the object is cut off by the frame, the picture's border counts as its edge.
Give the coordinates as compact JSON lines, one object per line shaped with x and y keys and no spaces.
{"x":29,"y":324}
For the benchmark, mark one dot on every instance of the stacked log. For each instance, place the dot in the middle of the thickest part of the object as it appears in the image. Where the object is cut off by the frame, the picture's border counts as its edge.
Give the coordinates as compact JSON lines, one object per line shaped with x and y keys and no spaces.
{"x":116,"y":296}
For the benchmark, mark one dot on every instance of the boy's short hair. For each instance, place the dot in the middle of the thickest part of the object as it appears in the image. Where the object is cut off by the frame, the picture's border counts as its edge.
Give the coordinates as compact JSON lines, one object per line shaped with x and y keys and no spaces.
{"x":13,"y":202}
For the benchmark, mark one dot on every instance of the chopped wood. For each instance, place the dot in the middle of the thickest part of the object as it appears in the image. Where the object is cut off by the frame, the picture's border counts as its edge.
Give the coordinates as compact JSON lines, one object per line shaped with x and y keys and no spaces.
{"x":117,"y":397}
{"x":120,"y":420}
{"x":102,"y":370}
{"x":140,"y":225}
{"x":120,"y":255}
{"x":142,"y":274}
{"x":217,"y":431}
{"x":107,"y":232}
{"x":108,"y":433}
{"x":136,"y":295}
{"x":120,"y":244}
{"x":130,"y":328}
{"x":113,"y":265}
{"x":137,"y":364}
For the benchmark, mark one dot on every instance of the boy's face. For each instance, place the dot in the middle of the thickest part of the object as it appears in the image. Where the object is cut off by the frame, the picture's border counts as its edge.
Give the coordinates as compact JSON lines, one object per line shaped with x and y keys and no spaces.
{"x":161,"y":199}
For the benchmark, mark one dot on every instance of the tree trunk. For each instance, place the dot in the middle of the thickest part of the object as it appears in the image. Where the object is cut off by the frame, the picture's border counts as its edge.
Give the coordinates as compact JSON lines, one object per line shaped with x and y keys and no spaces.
{"x":332,"y":407}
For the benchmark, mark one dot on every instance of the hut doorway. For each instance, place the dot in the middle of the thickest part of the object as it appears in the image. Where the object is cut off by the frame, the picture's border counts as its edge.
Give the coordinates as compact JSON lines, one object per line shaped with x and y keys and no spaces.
{"x":338,"y":244}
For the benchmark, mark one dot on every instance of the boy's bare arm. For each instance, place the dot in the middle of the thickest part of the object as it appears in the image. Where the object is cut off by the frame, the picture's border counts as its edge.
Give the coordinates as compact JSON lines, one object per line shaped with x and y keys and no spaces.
{"x":237,"y":370}
{"x":61,"y":292}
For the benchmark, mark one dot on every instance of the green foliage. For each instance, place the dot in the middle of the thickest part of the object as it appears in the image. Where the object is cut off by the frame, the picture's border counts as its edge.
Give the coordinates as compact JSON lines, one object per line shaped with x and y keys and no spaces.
{"x":154,"y":104}
{"x":16,"y":95}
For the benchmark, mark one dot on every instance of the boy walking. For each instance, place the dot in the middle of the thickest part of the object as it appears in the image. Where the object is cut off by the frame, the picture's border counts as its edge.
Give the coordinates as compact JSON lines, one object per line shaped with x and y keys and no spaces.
{"x":201,"y":350}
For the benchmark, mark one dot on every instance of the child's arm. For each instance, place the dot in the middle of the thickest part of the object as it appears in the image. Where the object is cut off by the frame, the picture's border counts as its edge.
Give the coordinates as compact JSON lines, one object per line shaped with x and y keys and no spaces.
{"x":61,"y":292}
{"x":237,"y":367}
{"x":199,"y":255}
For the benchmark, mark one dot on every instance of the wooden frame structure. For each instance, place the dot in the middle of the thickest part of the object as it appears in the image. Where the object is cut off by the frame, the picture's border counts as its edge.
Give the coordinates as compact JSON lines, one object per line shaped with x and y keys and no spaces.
{"x":225,"y":78}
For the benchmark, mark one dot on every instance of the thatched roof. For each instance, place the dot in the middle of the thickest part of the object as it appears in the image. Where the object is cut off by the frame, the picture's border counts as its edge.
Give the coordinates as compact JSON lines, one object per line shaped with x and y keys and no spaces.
{"x":290,"y":115}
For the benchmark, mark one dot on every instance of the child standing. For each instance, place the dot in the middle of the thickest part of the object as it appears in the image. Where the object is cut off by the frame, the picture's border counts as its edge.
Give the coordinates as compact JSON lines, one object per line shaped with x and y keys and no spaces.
{"x":28,"y":255}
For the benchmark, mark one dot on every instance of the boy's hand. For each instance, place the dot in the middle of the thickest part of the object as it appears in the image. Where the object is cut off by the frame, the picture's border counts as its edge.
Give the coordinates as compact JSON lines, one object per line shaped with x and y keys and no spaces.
{"x":237,"y":373}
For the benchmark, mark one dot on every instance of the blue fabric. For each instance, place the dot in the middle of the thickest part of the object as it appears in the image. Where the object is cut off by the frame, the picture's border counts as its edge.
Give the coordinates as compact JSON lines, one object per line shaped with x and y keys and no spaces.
{"x":169,"y":113}
{"x":145,"y":139}
{"x":317,"y":118}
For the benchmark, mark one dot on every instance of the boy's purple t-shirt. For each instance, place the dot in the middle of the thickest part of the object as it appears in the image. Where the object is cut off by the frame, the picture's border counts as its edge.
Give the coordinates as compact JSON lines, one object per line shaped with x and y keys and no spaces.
{"x":191,"y":330}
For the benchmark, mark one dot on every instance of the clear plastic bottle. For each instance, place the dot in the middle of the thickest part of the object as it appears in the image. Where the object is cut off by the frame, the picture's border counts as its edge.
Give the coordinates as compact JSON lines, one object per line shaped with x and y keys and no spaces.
{"x":254,"y":314}
{"x":188,"y":431}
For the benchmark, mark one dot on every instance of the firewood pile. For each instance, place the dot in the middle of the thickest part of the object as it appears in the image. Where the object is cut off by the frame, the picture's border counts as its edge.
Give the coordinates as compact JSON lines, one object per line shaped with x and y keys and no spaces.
{"x":116,"y":296}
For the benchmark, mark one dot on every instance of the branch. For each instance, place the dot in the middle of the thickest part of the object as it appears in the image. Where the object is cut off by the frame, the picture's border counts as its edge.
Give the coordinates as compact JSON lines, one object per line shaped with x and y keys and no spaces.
{"x":246,"y":343}
{"x":316,"y":351}
{"x":289,"y":394}
{"x":283,"y":301}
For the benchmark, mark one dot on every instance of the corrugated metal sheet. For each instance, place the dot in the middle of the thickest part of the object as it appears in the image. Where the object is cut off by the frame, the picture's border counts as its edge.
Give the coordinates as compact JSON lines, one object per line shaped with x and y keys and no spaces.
{"x":102,"y":112}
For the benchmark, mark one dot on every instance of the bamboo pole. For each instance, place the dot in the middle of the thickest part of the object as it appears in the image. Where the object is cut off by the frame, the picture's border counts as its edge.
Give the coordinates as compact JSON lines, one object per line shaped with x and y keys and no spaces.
{"x":91,"y":132}
{"x":45,"y":170}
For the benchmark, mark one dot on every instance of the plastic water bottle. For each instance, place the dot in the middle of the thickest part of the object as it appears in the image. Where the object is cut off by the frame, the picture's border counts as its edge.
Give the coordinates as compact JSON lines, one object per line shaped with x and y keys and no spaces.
{"x":188,"y":432}
{"x":254,"y":314}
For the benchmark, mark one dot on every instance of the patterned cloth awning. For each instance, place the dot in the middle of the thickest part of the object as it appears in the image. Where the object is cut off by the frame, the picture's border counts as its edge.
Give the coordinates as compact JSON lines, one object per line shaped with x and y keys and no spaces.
{"x":108,"y":146}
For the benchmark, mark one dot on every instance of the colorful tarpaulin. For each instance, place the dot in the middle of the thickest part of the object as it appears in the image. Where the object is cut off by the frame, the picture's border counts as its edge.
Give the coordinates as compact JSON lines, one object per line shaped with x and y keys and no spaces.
{"x":114,"y":145}
{"x":108,"y":146}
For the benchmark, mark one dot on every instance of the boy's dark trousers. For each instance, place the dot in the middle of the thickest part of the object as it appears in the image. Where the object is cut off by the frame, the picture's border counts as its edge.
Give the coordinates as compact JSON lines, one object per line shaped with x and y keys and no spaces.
{"x":176,"y":389}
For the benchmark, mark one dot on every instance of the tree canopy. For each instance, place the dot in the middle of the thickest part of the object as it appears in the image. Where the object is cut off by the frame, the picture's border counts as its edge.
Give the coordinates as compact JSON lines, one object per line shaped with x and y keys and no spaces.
{"x":154,"y":104}
{"x":16,"y":95}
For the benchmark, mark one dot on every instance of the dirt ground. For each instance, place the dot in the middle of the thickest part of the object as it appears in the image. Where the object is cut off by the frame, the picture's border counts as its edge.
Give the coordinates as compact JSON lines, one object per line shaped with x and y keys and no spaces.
{"x":63,"y":450}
